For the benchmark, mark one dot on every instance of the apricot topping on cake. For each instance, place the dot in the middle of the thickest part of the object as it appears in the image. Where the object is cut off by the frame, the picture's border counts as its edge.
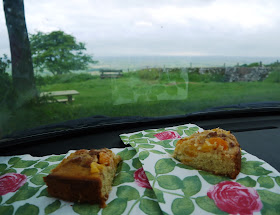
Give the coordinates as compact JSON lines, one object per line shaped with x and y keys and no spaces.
{"x":215,"y":151}
{"x":84,"y":176}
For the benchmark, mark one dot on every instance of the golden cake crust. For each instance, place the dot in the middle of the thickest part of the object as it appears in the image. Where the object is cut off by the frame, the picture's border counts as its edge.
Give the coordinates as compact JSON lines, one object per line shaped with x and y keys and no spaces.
{"x":84,"y":176}
{"x":216,"y":151}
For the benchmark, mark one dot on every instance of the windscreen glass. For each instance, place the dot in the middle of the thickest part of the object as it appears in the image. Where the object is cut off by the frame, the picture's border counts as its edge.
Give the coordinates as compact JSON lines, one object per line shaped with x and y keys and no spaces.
{"x":65,"y":60}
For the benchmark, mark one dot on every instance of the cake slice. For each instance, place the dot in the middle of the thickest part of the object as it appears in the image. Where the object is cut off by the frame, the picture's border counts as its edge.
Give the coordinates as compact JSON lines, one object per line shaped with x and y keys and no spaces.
{"x":215,"y":151}
{"x":84,"y":176}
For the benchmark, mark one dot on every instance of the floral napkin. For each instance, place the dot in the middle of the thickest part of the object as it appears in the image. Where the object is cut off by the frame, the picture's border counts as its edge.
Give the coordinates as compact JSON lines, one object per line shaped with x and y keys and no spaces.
{"x":148,"y":181}
{"x":23,"y":191}
{"x":181,"y":189}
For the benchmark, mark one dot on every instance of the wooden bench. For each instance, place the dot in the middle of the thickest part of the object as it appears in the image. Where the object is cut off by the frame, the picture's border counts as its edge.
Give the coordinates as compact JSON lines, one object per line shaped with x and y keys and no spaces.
{"x":68,"y":93}
{"x":110,"y":73}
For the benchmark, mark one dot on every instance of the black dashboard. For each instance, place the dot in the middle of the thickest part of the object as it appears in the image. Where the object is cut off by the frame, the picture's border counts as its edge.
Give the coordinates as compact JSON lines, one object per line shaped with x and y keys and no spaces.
{"x":257,"y":131}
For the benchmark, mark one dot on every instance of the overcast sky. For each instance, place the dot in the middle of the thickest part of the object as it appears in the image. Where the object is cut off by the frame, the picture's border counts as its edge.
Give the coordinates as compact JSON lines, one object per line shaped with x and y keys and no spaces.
{"x":158,"y":27}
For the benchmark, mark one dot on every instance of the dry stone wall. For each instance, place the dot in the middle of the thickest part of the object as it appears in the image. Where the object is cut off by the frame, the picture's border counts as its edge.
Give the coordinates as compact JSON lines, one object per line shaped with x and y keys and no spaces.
{"x":236,"y":74}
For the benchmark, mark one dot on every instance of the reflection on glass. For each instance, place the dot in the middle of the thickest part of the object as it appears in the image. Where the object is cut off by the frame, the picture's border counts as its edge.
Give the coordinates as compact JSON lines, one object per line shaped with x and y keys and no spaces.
{"x":151,"y":85}
{"x":175,"y":58}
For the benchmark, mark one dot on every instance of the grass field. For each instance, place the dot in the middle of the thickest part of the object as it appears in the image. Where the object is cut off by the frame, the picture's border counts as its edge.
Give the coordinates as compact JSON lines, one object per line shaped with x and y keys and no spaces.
{"x":136,"y":94}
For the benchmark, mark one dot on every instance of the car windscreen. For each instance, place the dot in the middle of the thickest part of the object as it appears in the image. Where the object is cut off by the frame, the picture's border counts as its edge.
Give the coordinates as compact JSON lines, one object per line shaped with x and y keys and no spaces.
{"x":66,"y":60}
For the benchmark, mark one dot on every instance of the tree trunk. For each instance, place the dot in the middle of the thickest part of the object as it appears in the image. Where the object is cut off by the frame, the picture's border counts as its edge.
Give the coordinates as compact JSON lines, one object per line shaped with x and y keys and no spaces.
{"x":22,"y":67}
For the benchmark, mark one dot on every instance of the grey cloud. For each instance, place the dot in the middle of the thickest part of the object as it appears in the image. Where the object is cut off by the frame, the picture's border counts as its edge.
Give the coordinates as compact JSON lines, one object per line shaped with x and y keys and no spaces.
{"x":111,"y":27}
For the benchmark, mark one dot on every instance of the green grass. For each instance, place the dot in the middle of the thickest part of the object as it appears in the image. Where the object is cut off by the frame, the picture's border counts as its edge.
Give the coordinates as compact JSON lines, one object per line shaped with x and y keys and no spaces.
{"x":135,"y":94}
{"x":274,"y":76}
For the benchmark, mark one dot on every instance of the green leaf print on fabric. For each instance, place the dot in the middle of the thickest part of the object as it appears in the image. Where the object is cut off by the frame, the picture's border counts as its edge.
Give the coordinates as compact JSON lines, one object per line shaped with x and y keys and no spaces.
{"x":191,"y":185}
{"x":253,"y":168}
{"x":164,"y":165}
{"x":13,"y":160}
{"x":277,"y":179}
{"x":24,"y":163}
{"x":25,"y":192}
{"x":127,"y":154}
{"x":182,"y":206}
{"x":124,"y":138}
{"x":52,"y":207}
{"x":27,"y":209}
{"x":150,"y":193}
{"x":182,"y":127}
{"x":149,"y":176}
{"x":164,"y":143}
{"x":247,"y":181}
{"x":271,"y":202}
{"x":175,"y":143}
{"x":9,"y":170}
{"x":169,"y":151}
{"x":150,"y":135}
{"x":188,"y":132}
{"x":44,"y":192}
{"x":150,"y":131}
{"x":38,"y":179}
{"x":41,"y":165}
{"x":128,"y":193}
{"x":194,"y":129}
{"x":86,"y":209}
{"x":150,"y":207}
{"x":143,"y":155}
{"x":123,"y":167}
{"x":207,"y":204}
{"x":146,"y":146}
{"x":157,"y":152}
{"x":49,"y":168}
{"x":115,"y":207}
{"x":180,"y":132}
{"x":6,"y":210}
{"x":136,"y":136}
{"x":159,"y":195}
{"x":170,"y":182}
{"x":55,"y":158}
{"x":266,"y":182}
{"x":211,"y":178}
{"x":2,"y":167}
{"x":191,"y":131}
{"x":183,"y":166}
{"x":136,"y":163}
{"x":132,"y":144}
{"x":123,"y":177}
{"x":29,"y":172}
{"x":140,"y":141}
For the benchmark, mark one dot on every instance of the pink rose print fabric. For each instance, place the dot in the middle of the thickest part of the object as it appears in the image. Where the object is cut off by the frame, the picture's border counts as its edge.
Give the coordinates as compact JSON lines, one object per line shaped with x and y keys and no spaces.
{"x":11,"y":182}
{"x":141,"y":178}
{"x":167,"y":135}
{"x":234,"y":198}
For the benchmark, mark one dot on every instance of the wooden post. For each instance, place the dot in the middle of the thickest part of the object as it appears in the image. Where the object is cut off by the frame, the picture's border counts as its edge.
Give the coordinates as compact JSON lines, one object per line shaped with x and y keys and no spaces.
{"x":70,"y":98}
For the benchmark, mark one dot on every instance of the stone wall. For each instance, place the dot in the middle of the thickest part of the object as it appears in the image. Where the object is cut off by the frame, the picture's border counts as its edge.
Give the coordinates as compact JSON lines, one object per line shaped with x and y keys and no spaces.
{"x":236,"y":74}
